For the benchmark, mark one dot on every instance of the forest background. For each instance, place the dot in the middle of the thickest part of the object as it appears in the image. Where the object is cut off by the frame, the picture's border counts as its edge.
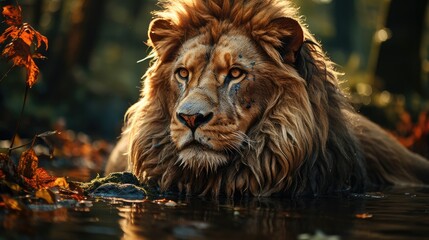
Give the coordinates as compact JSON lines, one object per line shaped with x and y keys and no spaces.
{"x":91,"y":75}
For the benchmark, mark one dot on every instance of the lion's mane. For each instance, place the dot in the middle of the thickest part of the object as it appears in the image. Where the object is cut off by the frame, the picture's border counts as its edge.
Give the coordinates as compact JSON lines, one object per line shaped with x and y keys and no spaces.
{"x":315,"y":151}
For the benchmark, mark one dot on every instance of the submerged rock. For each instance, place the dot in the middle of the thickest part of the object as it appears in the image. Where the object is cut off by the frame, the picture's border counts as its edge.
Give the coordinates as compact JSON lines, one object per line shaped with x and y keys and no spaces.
{"x":123,"y":185}
{"x":118,"y":190}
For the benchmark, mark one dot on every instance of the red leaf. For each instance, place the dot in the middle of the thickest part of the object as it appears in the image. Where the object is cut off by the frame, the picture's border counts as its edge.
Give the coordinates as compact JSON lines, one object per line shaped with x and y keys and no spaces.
{"x":28,"y":163}
{"x":43,"y":179}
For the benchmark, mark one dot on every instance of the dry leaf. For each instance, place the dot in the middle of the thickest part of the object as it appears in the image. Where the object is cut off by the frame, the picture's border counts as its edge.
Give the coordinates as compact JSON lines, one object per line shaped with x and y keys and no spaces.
{"x":46,"y":194}
{"x":23,"y":37}
{"x":60,"y":182}
{"x":28,"y":163}
{"x":42,"y":179}
{"x":12,"y":14}
{"x":7,"y":167}
{"x":10,"y":32}
{"x":12,"y":203}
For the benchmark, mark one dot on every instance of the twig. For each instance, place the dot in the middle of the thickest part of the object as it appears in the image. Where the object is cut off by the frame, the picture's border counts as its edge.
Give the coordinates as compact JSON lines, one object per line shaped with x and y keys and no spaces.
{"x":32,"y":142}
{"x":20,"y":146}
{"x":5,"y":75}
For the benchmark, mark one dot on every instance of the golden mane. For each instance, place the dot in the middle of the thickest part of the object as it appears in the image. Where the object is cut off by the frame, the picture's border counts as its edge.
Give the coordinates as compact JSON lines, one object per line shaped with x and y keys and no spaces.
{"x":312,"y":150}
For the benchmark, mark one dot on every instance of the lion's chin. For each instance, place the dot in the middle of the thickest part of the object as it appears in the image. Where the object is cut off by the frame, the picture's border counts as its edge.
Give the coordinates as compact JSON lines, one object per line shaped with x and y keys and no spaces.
{"x":199,"y":158}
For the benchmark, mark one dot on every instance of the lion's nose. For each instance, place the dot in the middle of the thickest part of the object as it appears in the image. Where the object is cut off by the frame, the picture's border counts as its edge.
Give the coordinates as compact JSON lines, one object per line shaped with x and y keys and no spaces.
{"x":193,"y":121}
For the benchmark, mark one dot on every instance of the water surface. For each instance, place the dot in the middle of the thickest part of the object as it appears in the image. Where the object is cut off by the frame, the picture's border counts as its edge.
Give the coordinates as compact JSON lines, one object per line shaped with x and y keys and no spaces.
{"x":393,"y":214}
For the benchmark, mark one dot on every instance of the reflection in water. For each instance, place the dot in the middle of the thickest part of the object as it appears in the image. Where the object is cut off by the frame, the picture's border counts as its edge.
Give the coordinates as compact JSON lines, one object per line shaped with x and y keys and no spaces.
{"x":393,"y":214}
{"x":246,"y":218}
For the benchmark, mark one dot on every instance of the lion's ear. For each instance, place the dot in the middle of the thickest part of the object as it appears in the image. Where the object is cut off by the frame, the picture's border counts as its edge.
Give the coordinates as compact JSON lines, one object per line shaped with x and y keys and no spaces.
{"x":286,"y":35}
{"x":292,"y":38}
{"x":162,"y":37}
{"x":157,"y":30}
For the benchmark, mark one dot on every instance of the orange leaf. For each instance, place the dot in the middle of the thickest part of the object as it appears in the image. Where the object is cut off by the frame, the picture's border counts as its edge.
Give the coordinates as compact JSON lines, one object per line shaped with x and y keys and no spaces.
{"x":60,"y":182}
{"x":27,"y":34}
{"x":46,"y":194}
{"x":43,"y":176}
{"x":42,"y":179}
{"x":12,"y":14}
{"x":12,"y":203}
{"x":28,"y":163}
{"x":23,"y":37}
{"x":10,"y":32}
{"x":32,"y":73}
{"x":20,"y":54}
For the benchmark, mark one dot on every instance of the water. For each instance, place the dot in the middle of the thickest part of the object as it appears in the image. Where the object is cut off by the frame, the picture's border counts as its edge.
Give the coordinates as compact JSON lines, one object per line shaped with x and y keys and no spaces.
{"x":393,"y":214}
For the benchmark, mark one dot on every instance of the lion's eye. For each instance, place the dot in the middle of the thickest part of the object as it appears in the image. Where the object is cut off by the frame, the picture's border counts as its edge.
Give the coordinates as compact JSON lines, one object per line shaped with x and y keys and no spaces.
{"x":235,"y":72}
{"x":183,"y":73}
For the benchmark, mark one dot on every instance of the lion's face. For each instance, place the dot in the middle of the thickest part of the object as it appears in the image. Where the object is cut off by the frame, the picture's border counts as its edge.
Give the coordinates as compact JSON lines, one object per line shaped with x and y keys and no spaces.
{"x":221,"y":91}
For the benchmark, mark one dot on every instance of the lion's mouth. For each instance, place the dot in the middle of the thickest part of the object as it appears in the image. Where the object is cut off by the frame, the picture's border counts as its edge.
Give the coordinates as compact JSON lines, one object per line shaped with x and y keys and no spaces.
{"x":195,"y":145}
{"x":198,"y":156}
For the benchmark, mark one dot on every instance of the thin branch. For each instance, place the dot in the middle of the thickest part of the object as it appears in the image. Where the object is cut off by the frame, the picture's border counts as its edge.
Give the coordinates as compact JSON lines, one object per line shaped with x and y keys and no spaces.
{"x":5,"y":75}
{"x":32,"y":142}
{"x":20,"y":146}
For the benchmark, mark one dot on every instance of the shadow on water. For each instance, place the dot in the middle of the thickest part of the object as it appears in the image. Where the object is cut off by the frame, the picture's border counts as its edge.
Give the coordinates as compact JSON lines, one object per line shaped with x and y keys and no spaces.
{"x":393,"y":214}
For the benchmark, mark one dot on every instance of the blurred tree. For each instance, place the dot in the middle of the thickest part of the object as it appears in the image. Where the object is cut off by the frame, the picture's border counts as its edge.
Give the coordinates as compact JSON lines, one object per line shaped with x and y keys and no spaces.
{"x":345,"y":24}
{"x":400,"y":60}
{"x":76,"y":47}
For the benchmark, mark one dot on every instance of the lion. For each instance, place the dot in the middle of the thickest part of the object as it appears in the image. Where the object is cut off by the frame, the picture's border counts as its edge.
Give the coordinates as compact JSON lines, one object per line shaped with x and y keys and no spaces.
{"x":240,"y":99}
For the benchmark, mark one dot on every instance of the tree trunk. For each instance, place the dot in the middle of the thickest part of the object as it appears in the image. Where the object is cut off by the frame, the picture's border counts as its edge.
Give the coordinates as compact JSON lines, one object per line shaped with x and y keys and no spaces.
{"x":400,"y":60}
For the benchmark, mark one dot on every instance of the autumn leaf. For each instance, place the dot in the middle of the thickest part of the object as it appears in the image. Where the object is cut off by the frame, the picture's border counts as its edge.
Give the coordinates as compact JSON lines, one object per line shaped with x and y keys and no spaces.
{"x":22,"y":38}
{"x":42,"y":179}
{"x":37,"y":177}
{"x":60,"y":182}
{"x":32,"y":73}
{"x":10,"y":32}
{"x":13,"y":187}
{"x":46,"y":194}
{"x":12,"y":15}
{"x":7,"y":167}
{"x":28,"y":163}
{"x":12,"y":203}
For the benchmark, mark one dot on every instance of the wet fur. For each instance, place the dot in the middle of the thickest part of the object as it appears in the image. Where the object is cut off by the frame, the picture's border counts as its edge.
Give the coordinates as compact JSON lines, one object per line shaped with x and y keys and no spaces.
{"x":308,"y":140}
